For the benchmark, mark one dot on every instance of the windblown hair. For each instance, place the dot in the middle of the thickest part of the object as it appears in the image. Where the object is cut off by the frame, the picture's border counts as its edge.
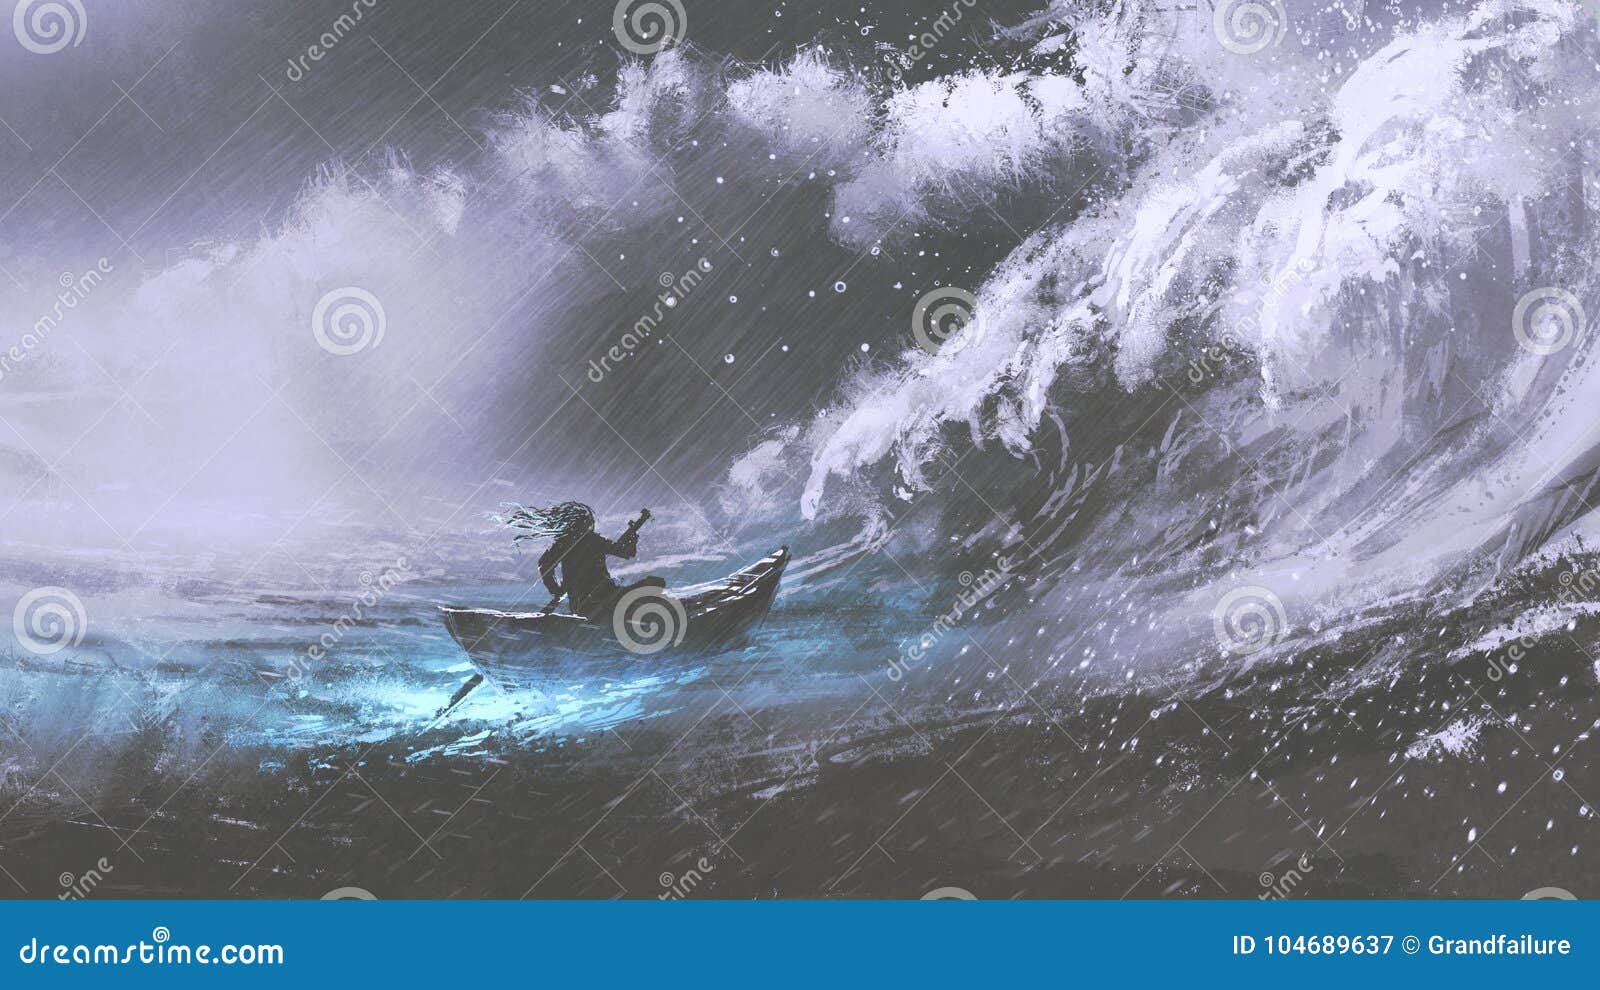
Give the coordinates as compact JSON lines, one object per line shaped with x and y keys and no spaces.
{"x":556,"y":521}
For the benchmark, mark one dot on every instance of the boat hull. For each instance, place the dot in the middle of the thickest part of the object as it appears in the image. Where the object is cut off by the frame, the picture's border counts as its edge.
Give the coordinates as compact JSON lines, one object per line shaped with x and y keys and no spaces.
{"x":516,"y":650}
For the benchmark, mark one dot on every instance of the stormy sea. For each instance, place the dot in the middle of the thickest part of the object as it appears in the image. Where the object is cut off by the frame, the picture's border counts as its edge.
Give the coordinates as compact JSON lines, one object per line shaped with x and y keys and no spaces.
{"x":1181,"y":419}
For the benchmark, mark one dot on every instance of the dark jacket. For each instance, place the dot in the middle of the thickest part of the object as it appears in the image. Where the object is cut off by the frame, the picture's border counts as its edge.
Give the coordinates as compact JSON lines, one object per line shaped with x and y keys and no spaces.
{"x":584,"y":575}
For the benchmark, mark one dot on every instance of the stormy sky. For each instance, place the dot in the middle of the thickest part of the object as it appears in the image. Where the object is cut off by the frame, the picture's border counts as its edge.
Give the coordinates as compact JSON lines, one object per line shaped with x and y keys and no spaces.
{"x":513,"y":187}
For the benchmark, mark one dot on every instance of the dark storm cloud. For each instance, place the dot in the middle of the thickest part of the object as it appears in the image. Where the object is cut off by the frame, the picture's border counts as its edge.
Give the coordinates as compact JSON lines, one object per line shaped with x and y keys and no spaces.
{"x":512,"y":188}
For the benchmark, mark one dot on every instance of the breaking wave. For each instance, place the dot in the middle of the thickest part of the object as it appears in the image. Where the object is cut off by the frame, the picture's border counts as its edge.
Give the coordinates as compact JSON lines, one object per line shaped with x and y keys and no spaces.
{"x":1322,"y":326}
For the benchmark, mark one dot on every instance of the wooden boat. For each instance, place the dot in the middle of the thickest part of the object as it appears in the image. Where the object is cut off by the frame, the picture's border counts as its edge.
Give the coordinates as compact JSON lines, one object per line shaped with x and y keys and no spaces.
{"x":512,"y":649}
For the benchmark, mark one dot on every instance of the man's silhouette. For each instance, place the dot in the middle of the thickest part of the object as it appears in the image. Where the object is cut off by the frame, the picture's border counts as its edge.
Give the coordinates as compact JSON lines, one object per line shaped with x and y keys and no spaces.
{"x":580,"y":555}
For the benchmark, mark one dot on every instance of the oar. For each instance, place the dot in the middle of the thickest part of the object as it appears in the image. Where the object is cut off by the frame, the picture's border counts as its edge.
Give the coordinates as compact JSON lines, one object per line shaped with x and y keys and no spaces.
{"x":460,"y":696}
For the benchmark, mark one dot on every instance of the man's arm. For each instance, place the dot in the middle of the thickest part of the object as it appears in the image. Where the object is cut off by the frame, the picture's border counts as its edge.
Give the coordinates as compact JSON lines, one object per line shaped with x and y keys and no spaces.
{"x":626,"y":546}
{"x":547,"y":572}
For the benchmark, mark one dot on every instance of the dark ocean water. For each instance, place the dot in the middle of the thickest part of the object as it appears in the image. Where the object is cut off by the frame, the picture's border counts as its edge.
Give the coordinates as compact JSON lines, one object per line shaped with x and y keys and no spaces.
{"x":1405,"y":754}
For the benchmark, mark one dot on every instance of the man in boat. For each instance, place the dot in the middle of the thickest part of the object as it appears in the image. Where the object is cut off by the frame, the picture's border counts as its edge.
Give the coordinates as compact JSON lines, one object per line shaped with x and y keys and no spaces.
{"x":580,"y":555}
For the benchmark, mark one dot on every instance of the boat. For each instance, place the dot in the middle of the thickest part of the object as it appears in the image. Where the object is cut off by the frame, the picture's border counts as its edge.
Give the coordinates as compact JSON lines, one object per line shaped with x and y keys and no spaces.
{"x":513,"y":649}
